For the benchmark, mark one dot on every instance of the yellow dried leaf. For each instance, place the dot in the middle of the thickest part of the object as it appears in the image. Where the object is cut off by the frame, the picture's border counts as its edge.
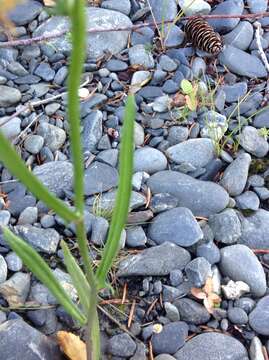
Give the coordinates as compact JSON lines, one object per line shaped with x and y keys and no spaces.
{"x":198,"y":293}
{"x":49,"y":2}
{"x":208,"y":288}
{"x":191,"y":103}
{"x":71,"y":345}
{"x":5,"y":7}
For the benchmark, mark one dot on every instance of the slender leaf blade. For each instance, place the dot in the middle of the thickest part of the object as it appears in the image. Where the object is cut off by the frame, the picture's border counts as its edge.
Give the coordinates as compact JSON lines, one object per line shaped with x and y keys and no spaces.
{"x":16,"y":166}
{"x":78,"y":278}
{"x":120,"y":212}
{"x":41,"y":270}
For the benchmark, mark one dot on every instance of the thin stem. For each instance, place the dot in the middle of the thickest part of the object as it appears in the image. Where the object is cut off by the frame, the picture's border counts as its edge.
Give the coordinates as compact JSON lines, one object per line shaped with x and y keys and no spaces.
{"x":93,"y":332}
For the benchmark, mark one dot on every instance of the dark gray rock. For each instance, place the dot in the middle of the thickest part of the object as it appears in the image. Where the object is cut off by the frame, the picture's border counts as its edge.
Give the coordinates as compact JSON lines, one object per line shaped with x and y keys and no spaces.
{"x":177,"y":134}
{"x":135,"y":236}
{"x":138,"y":55}
{"x":170,"y":339}
{"x":249,"y":65}
{"x":255,"y":230}
{"x":259,"y":317}
{"x":44,"y":71}
{"x":121,"y":345}
{"x":262,"y":119}
{"x":163,"y":11}
{"x":212,"y":346}
{"x":92,"y":130}
{"x":248,"y":201}
{"x":171,"y":312}
{"x":97,"y":43}
{"x":203,"y":198}
{"x":198,"y":271}
{"x":252,"y":141}
{"x":116,"y":65}
{"x":99,"y":178}
{"x":191,"y":311}
{"x":54,"y":137}
{"x":44,"y":240}
{"x":26,"y":342}
{"x":235,"y":175}
{"x":34,"y":143}
{"x":237,"y":316}
{"x":92,"y":102}
{"x":149,"y":160}
{"x":241,"y":36}
{"x":99,"y":231}
{"x":226,"y":226}
{"x":177,"y":225}
{"x":197,"y":152}
{"x":156,"y":261}
{"x":162,"y":202}
{"x":209,"y":251}
{"x":24,"y":13}
{"x":9,"y":96}
{"x":61,"y":75}
{"x":228,"y":7}
{"x":56,"y":175}
{"x":239,"y":263}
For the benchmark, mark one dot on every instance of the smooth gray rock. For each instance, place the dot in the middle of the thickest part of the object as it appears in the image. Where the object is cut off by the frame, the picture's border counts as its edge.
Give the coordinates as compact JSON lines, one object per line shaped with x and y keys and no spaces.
{"x":9,"y":96}
{"x":241,"y":36}
{"x":12,"y":128}
{"x":92,"y":130}
{"x":228,"y":7}
{"x":197,"y":152}
{"x":164,"y":10}
{"x":191,"y":311}
{"x":3,"y":269}
{"x":44,"y":71}
{"x":209,"y":251}
{"x":237,"y":316}
{"x":28,"y":215}
{"x":171,"y":311}
{"x":170,"y":339}
{"x":54,"y":137}
{"x":14,"y":262}
{"x":156,"y":261}
{"x":251,"y":140}
{"x":198,"y":271}
{"x":177,"y":134}
{"x":226,"y":226}
{"x":149,"y":160}
{"x":257,"y":6}
{"x":99,"y":178}
{"x":235,"y":92}
{"x":248,"y":201}
{"x":121,"y":345}
{"x":203,"y":198}
{"x":249,"y":65}
{"x":239,"y":263}
{"x":26,"y":342}
{"x":255,"y":230}
{"x":66,"y":282}
{"x":97,"y":43}
{"x":51,"y":109}
{"x":235,"y":175}
{"x":177,"y":225}
{"x":123,"y":6}
{"x":56,"y":175}
{"x":259,"y":317}
{"x":138,"y":55}
{"x":15,"y":290}
{"x":191,"y":8}
{"x":212,"y":346}
{"x":34,"y":143}
{"x":44,"y":240}
{"x":135,"y":236}
{"x":99,"y":231}
{"x":24,"y":13}
{"x":262,"y":119}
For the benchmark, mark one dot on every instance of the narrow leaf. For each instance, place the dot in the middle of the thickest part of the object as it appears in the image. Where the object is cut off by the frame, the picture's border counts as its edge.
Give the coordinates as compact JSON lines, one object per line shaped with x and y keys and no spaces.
{"x":16,"y":166}
{"x":78,"y":278}
{"x":41,"y":270}
{"x":120,"y":212}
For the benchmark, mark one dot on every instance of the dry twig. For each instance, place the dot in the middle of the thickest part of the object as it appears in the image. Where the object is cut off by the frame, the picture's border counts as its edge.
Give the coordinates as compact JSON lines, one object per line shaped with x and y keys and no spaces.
{"x":259,"y":44}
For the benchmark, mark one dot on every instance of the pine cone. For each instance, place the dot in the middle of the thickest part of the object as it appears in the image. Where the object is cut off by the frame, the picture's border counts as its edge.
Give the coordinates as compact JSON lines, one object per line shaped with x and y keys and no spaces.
{"x":203,"y":36}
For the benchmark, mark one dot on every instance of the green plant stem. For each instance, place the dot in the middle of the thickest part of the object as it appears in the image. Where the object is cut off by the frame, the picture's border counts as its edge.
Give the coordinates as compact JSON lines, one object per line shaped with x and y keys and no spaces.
{"x":16,"y":166}
{"x":93,"y":332}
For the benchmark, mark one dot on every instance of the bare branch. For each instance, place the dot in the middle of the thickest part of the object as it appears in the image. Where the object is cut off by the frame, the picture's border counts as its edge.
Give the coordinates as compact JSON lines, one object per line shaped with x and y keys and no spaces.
{"x":259,"y":44}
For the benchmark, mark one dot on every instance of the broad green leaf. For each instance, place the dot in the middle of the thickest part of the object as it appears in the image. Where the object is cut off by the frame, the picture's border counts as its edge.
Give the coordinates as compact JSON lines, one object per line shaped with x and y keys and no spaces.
{"x":78,"y":278}
{"x":41,"y":270}
{"x":121,"y":208}
{"x":186,"y":86}
{"x":16,"y":166}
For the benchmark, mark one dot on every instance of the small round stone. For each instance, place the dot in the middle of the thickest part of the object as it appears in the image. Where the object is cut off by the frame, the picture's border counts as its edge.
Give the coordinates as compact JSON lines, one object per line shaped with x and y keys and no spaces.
{"x":33,"y":144}
{"x":237,"y":316}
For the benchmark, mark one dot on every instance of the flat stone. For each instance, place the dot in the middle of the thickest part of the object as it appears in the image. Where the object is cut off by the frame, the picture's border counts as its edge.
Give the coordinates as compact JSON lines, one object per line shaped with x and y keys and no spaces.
{"x":91,"y":103}
{"x":149,"y":160}
{"x":28,"y":216}
{"x":248,"y":201}
{"x":234,"y":92}
{"x":255,"y":230}
{"x":108,"y":200}
{"x":177,"y":225}
{"x":44,"y":71}
{"x":241,"y":36}
{"x":15,"y":290}
{"x":54,"y":137}
{"x":203,"y":198}
{"x":170,"y":339}
{"x":239,"y":263}
{"x":259,"y":317}
{"x":249,"y":65}
{"x":121,"y":345}
{"x":123,"y":6}
{"x":44,"y":240}
{"x":155,"y":261}
{"x":92,"y":130}
{"x":99,"y":178}
{"x":98,"y":43}
{"x":24,"y":13}
{"x":226,"y":226}
{"x":9,"y":96}
{"x":198,"y":271}
{"x":212,"y":346}
{"x":26,"y":342}
{"x":235,"y":175}
{"x":163,"y":11}
{"x":197,"y":152}
{"x":191,"y":311}
{"x":14,"y":262}
{"x":56,"y":175}
{"x":251,"y":140}
{"x":139,"y":56}
{"x":262,"y":119}
{"x":228,"y":7}
{"x":191,"y":8}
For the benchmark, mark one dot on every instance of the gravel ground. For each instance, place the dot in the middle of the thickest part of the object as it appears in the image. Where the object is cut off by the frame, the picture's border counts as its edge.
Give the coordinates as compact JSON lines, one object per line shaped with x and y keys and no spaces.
{"x":200,"y":200}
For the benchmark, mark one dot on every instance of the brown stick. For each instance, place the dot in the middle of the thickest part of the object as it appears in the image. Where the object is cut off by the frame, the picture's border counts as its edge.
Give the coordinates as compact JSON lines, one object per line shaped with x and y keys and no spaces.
{"x":57,"y":34}
{"x":260,"y":251}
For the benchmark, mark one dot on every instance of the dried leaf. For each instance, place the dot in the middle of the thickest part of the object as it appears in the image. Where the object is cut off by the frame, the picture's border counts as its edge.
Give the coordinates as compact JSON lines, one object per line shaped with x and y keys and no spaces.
{"x":198,"y":293}
{"x":5,"y":7}
{"x":208,"y":288}
{"x":49,"y":2}
{"x":179,"y":99}
{"x":191,"y":103}
{"x":71,"y":345}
